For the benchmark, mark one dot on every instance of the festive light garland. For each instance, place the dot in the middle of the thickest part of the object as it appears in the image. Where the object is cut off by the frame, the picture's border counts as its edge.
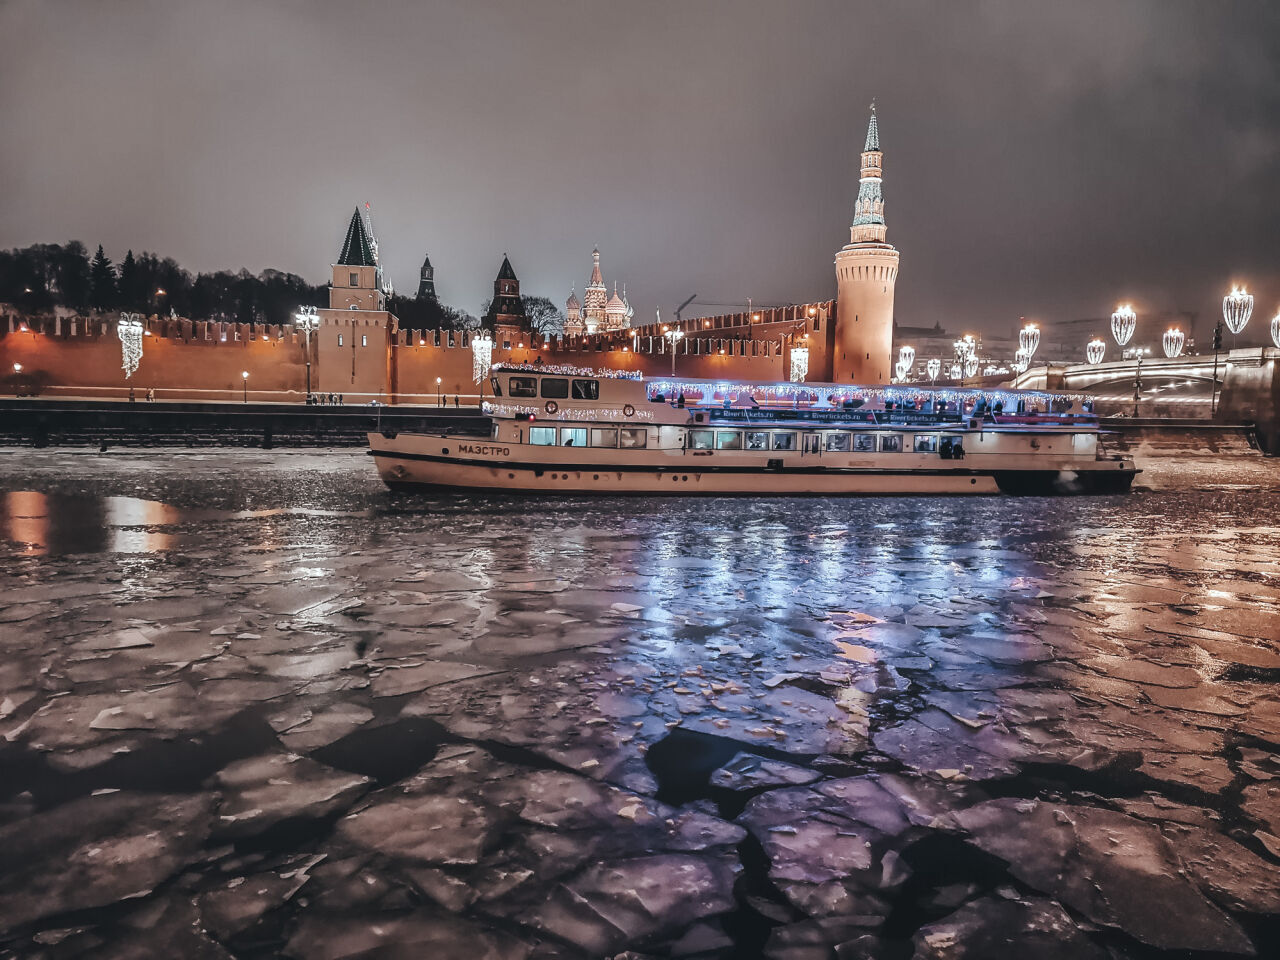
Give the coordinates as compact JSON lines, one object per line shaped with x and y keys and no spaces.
{"x":1029,"y":339}
{"x":1174,"y":339}
{"x":933,"y":367}
{"x":565,"y":412}
{"x":970,"y":365}
{"x":907,"y":356}
{"x":1123,"y":322}
{"x":799,"y":364}
{"x":129,"y":330}
{"x":1275,"y":330}
{"x":1237,"y":307}
{"x":1095,"y":350}
{"x":481,"y":357}
{"x":568,"y":370}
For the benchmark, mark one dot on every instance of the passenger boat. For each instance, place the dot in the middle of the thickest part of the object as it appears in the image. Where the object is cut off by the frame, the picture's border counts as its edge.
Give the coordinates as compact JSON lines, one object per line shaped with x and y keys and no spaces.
{"x":565,"y":430}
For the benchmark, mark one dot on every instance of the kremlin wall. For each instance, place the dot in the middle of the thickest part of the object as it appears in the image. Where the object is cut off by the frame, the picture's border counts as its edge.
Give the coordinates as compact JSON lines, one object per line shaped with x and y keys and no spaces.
{"x":359,"y":351}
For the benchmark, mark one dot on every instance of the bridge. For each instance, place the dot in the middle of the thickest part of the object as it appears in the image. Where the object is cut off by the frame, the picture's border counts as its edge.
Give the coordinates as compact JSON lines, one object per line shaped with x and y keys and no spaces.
{"x":1181,"y":387}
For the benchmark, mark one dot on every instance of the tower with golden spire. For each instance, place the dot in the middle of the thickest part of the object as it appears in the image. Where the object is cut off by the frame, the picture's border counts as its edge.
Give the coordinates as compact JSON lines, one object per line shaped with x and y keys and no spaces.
{"x":866,"y":271}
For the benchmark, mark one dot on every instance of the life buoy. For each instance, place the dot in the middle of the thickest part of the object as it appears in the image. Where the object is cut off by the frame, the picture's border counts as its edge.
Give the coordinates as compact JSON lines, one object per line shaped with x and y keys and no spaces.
{"x":551,"y":406}
{"x":629,"y":410}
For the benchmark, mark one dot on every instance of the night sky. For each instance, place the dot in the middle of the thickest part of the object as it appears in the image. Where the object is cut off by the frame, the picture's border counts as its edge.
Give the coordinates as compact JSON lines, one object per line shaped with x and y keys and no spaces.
{"x":1041,"y":159}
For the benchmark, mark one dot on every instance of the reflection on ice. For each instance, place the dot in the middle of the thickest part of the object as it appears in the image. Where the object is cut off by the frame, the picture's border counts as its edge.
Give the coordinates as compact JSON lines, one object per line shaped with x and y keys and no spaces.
{"x":324,"y":720}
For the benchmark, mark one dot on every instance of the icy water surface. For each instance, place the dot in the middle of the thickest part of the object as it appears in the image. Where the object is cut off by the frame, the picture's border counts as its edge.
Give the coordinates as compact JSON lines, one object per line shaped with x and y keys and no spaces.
{"x":253,"y":705}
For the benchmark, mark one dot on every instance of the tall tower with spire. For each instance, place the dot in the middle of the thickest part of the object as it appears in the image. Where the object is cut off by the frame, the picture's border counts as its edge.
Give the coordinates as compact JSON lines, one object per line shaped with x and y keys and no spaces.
{"x":866,"y":271}
{"x":427,"y":281}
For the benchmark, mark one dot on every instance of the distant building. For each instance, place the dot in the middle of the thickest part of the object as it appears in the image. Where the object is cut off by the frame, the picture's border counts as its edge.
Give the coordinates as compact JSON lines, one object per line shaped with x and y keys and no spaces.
{"x":427,"y":281}
{"x":597,"y":312}
{"x":505,"y":320}
{"x":866,"y":271}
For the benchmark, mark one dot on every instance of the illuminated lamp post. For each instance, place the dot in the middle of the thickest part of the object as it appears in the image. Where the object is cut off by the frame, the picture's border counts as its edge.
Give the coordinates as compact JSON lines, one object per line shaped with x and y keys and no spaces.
{"x":1137,"y":378}
{"x":439,"y":393}
{"x":244,"y":380}
{"x":1173,"y":342}
{"x":308,"y":320}
{"x":1029,"y":340}
{"x":675,"y":336}
{"x":1237,"y":307}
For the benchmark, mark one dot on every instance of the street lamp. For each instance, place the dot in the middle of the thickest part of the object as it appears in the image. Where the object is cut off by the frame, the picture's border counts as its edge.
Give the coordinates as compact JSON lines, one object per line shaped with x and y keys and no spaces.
{"x":308,"y":320}
{"x":675,"y":336}
{"x":1237,"y":307}
{"x":439,"y":395}
{"x":244,"y":379}
{"x":17,"y":368}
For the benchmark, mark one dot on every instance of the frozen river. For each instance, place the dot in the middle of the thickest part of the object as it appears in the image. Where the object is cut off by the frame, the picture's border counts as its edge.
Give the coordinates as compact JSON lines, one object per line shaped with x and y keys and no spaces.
{"x":253,"y":705}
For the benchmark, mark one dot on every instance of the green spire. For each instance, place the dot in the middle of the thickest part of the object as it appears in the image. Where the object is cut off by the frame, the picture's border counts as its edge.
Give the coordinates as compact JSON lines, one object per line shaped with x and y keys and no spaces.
{"x":873,"y":131}
{"x":505,"y":272}
{"x":357,"y":251}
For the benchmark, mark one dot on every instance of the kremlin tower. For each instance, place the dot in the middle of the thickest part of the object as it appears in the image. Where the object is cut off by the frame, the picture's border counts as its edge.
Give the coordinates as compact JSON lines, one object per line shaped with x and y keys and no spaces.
{"x":866,"y":270}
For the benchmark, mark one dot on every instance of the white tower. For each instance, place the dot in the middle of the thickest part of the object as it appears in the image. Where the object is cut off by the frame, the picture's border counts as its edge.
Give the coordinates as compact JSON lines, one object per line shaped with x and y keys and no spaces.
{"x":866,"y":270}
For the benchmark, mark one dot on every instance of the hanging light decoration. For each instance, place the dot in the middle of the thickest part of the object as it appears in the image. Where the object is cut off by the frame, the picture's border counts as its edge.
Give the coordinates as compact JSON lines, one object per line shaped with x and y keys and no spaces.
{"x":129,"y":330}
{"x":899,"y":372}
{"x":989,"y":370}
{"x":933,"y":368}
{"x":1095,"y":350}
{"x":1237,"y":307}
{"x":1174,"y":340}
{"x":1029,"y":339}
{"x":956,"y":371}
{"x":1275,"y":329}
{"x":970,"y":365}
{"x":1123,"y":322}
{"x":799,"y":364}
{"x":481,"y":357}
{"x":907,"y":356}
{"x":1020,"y":361}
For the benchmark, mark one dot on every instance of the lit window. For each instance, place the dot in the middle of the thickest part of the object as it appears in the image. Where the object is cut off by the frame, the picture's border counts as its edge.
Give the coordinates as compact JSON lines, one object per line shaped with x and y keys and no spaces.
{"x":364,"y":340}
{"x":784,"y":441}
{"x":573,"y":436}
{"x":700,"y":439}
{"x":542,"y":436}
{"x":757,"y":441}
{"x":339,"y":339}
{"x":926,"y":444}
{"x":837,"y":442}
{"x":864,"y":443}
{"x":891,"y":443}
{"x":728,"y":440}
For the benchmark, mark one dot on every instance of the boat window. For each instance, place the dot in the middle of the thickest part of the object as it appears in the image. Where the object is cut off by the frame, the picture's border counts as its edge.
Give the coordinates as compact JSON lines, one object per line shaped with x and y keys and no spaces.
{"x":757,"y":441}
{"x":891,"y":443}
{"x":523,"y":386}
{"x":837,"y":442}
{"x":497,"y":386}
{"x":604,"y":437}
{"x":633,"y":438}
{"x":553,"y":388}
{"x":542,"y":436}
{"x":586,"y":389}
{"x":926,"y":444}
{"x":728,"y":440}
{"x":573,"y":436}
{"x":864,"y":443}
{"x":700,"y":439}
{"x":784,"y":441}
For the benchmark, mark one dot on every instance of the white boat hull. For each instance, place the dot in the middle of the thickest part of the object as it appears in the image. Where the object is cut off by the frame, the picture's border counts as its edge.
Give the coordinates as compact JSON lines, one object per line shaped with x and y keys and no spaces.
{"x":424,"y":462}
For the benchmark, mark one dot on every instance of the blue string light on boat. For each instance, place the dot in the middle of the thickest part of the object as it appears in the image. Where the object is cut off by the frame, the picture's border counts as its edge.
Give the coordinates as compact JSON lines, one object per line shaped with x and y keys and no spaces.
{"x":834,"y":395}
